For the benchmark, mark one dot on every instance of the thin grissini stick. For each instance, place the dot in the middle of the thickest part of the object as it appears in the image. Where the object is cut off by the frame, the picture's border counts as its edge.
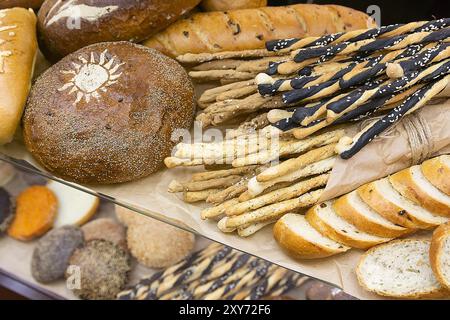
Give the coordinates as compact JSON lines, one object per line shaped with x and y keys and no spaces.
{"x":286,"y":284}
{"x":172,"y":162}
{"x":260,"y":65}
{"x":217,"y":211}
{"x":287,"y":45}
{"x":266,"y":156}
{"x":214,"y":75}
{"x":247,"y":231}
{"x":360,"y":96}
{"x":192,"y":58}
{"x":292,"y":67}
{"x":228,"y":193}
{"x":348,"y":147}
{"x":275,"y":210}
{"x":222,"y":226}
{"x":218,"y":65}
{"x":299,"y":162}
{"x":248,"y":104}
{"x":282,"y":194}
{"x":237,"y":93}
{"x":224,"y":182}
{"x":393,"y":43}
{"x":249,"y":127}
{"x":429,"y":56}
{"x":255,"y":188}
{"x":208,"y":175}
{"x":210,"y":95}
{"x":196,"y":196}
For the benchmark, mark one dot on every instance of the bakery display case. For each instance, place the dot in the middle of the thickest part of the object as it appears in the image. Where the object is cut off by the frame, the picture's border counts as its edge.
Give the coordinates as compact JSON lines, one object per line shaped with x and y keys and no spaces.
{"x":204,"y":150}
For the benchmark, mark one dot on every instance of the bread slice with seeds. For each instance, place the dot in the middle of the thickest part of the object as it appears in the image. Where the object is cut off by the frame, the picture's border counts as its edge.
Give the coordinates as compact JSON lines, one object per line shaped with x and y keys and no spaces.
{"x":384,"y":199}
{"x":437,"y":171}
{"x":355,"y":211}
{"x":298,"y":238}
{"x":440,"y":255}
{"x":399,"y":269}
{"x":412,"y":184}
{"x":323,"y":218}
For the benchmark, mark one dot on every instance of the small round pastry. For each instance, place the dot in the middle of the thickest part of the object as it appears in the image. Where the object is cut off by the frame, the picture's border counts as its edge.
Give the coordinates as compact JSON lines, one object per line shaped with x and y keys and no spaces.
{"x":53,"y":251}
{"x":6,"y":210}
{"x":106,"y":113}
{"x":35,"y":212}
{"x":105,"y":229}
{"x":66,"y":26}
{"x":156,"y":244}
{"x":103,"y":267}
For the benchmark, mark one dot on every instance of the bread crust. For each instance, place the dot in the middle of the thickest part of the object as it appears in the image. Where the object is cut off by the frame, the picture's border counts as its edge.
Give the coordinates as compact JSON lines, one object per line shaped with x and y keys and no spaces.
{"x":435,"y":294}
{"x":35,"y":4}
{"x":437,"y":173}
{"x":328,"y":231}
{"x":224,"y":5}
{"x":387,"y":209}
{"x":19,"y":48}
{"x":103,"y":20}
{"x":343,"y":208}
{"x":436,"y":250}
{"x":299,"y":247}
{"x":250,"y":28}
{"x":403,"y":182}
{"x":111,"y":120}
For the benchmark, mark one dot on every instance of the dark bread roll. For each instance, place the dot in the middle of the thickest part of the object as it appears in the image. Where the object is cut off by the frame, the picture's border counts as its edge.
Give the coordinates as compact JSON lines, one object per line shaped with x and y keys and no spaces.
{"x":66,"y":26}
{"x":106,"y":113}
{"x":35,"y":4}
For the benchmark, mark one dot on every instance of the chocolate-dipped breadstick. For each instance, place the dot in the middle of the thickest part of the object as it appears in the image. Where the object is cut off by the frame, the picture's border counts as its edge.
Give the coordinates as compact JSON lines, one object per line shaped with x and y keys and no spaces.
{"x":348,"y":147}
{"x":365,"y":46}
{"x":428,"y":56}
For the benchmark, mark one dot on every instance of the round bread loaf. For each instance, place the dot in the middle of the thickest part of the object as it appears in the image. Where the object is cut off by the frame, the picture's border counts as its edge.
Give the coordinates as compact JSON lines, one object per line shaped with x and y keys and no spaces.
{"x":103,"y":267}
{"x":106,"y":113}
{"x":66,"y":26}
{"x":53,"y":251}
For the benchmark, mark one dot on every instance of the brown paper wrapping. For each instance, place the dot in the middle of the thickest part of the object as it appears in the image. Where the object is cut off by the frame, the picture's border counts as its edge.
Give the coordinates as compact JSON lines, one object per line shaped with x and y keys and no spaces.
{"x":382,"y":157}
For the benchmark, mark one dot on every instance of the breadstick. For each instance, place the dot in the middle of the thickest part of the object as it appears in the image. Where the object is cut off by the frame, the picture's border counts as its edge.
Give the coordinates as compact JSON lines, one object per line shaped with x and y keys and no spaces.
{"x":208,"y":175}
{"x":274,"y":211}
{"x":222,"y":226}
{"x":228,"y":193}
{"x":250,"y":126}
{"x":196,"y":196}
{"x":260,"y":65}
{"x":214,"y":75}
{"x":218,"y":210}
{"x":237,"y":93}
{"x":224,"y":182}
{"x":300,"y":162}
{"x":210,"y":95}
{"x":255,"y":188}
{"x":348,"y":147}
{"x":190,"y":58}
{"x":279,"y":195}
{"x":172,"y":162}
{"x":218,"y":65}
{"x":300,"y":146}
{"x":247,"y":231}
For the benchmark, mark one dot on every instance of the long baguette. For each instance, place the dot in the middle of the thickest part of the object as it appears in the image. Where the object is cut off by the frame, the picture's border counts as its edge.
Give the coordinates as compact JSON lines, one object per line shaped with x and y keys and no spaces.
{"x":250,"y":28}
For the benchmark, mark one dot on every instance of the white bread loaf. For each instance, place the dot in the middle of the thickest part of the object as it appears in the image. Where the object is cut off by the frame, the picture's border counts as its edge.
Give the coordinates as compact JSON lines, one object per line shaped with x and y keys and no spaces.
{"x":355,"y":211}
{"x":18,"y":48}
{"x":440,"y":255}
{"x":323,"y":218}
{"x":399,"y":269}
{"x":412,"y":184}
{"x":437,"y":171}
{"x":297,"y":237}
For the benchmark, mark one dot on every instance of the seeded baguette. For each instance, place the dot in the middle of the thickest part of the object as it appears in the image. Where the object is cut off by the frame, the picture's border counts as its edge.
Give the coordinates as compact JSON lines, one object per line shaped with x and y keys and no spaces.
{"x":440,"y":255}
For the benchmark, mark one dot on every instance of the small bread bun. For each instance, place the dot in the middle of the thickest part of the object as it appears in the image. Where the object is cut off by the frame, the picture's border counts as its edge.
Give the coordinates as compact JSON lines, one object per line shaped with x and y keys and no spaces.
{"x":104,"y":269}
{"x":75,"y":207}
{"x":156,"y":244}
{"x":105,"y":229}
{"x":36,"y":209}
{"x":52,"y":253}
{"x":106,"y":113}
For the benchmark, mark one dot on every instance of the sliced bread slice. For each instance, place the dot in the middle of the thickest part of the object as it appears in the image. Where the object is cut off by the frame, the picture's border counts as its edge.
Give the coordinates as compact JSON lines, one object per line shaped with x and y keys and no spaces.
{"x":74,"y":207}
{"x":355,"y":211}
{"x":412,"y":184}
{"x":440,"y":255}
{"x":399,"y":269}
{"x":325,"y":220}
{"x":437,"y":171}
{"x":384,"y":199}
{"x":298,"y":238}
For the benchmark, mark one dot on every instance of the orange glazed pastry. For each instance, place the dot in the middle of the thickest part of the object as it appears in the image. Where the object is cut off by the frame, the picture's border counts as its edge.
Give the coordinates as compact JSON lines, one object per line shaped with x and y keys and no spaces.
{"x":35,"y":212}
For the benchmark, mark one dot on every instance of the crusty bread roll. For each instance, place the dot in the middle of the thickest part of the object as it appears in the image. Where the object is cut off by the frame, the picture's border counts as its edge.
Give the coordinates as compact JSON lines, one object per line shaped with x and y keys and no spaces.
{"x":224,"y":5}
{"x":35,"y":4}
{"x":66,"y":26}
{"x":440,"y":255}
{"x":251,"y":28}
{"x":106,"y":113}
{"x":18,"y":47}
